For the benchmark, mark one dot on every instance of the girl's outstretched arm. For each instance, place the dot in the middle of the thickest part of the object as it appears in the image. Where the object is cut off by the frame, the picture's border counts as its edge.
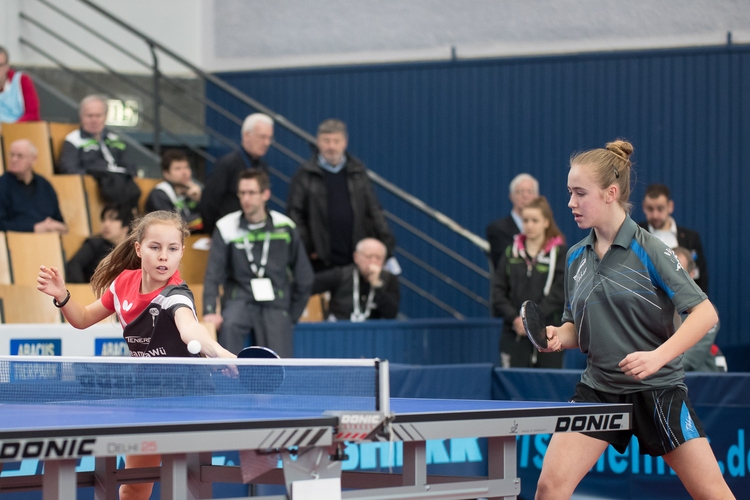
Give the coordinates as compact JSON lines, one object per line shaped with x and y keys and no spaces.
{"x":51,"y":282}
{"x":190,"y":329}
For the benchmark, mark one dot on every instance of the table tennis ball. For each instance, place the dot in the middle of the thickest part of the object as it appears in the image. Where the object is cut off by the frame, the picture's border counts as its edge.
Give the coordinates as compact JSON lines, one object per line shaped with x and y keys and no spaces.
{"x":194,"y":347}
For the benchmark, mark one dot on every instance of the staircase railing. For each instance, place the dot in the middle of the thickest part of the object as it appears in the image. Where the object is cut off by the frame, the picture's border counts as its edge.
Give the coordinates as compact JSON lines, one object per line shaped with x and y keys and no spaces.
{"x":159,"y":79}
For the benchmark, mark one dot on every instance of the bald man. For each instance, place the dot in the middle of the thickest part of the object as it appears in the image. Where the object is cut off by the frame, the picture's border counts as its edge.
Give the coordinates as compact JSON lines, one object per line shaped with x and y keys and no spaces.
{"x":28,"y":202}
{"x":377,"y":290}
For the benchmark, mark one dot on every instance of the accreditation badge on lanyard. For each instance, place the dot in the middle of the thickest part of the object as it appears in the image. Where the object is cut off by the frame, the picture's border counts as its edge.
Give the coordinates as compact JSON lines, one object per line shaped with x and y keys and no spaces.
{"x":262,"y":287}
{"x":357,"y":314}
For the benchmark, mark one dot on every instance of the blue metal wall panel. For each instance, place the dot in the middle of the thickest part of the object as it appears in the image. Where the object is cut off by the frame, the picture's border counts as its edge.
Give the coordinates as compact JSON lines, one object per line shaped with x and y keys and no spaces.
{"x":455,"y":133}
{"x":416,"y":342}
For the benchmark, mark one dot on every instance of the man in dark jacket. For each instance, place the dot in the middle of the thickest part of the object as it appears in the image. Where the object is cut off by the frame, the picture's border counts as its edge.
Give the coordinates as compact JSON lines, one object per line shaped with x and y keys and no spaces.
{"x":220,"y":194}
{"x":377,"y":290}
{"x":658,"y":207}
{"x":28,"y":202}
{"x":500,"y":232}
{"x":333,"y":203}
{"x":95,"y":150}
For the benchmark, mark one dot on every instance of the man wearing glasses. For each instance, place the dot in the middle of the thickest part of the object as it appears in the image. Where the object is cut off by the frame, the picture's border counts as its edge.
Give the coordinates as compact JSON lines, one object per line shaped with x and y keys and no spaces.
{"x":259,"y":260}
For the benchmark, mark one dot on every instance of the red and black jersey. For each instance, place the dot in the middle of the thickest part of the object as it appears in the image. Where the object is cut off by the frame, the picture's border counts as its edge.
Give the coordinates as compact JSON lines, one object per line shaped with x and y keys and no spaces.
{"x":148,"y":318}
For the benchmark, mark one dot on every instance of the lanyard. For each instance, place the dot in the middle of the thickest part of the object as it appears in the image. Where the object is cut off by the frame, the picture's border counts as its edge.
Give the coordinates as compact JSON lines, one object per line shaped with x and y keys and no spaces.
{"x":259,"y":272}
{"x":357,"y":315}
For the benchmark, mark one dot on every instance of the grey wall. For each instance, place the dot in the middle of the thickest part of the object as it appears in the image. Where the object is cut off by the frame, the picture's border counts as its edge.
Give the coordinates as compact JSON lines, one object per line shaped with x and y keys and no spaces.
{"x":253,"y":34}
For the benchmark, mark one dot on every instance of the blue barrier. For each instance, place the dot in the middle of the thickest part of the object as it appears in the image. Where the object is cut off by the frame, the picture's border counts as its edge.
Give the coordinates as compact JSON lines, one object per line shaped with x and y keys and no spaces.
{"x":415,"y":342}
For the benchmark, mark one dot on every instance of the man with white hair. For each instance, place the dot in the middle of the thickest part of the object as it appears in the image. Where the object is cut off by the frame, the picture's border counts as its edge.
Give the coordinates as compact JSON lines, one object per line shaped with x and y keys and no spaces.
{"x":375,"y":289}
{"x":523,"y":189}
{"x":95,"y":150}
{"x":28,"y":202}
{"x":220,"y":194}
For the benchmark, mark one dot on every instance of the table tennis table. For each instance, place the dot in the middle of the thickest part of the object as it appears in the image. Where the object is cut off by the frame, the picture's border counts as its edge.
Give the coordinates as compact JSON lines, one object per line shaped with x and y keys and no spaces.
{"x":61,"y":410}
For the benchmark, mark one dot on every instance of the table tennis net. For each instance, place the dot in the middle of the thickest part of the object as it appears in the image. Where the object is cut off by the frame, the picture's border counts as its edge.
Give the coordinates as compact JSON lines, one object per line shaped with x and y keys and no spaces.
{"x":272,"y":384}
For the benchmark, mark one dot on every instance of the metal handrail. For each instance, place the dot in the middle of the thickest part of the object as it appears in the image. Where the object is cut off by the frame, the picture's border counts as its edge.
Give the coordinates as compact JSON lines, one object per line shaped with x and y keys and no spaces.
{"x":280,"y":120}
{"x":413,"y":200}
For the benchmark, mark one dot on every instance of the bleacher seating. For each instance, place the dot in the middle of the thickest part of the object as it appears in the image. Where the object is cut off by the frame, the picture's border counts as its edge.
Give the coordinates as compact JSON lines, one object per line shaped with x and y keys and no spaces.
{"x":72,"y":200}
{"x":28,"y":251}
{"x":26,"y":304}
{"x":194,"y":260}
{"x":314,"y":310}
{"x":58,"y":131}
{"x":94,"y":202}
{"x":4,"y":262}
{"x":146,"y":184}
{"x":38,"y":134}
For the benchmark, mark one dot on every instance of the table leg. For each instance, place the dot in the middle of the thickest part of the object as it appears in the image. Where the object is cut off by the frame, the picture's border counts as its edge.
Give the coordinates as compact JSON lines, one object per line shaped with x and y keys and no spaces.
{"x":197,"y":488}
{"x":174,"y":477}
{"x":59,"y":481}
{"x":105,"y":485}
{"x":414,"y":471}
{"x":501,"y":461}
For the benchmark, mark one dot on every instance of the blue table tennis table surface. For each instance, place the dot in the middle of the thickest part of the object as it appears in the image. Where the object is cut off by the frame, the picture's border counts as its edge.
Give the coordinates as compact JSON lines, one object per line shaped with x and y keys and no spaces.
{"x":186,"y":410}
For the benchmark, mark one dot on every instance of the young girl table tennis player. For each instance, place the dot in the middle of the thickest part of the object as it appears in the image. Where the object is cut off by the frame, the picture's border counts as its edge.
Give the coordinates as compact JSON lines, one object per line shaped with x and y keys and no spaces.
{"x":139,"y":281}
{"x":532,"y":268}
{"x":622,"y":286}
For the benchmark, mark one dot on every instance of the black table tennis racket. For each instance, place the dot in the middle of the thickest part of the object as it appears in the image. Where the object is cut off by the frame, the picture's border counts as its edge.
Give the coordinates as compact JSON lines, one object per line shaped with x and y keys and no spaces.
{"x":261,"y":378}
{"x":533,"y":323}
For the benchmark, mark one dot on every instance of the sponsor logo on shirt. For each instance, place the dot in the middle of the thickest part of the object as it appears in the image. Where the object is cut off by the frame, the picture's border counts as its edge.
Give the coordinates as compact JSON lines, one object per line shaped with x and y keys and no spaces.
{"x":581,"y":271}
{"x":126,"y":305}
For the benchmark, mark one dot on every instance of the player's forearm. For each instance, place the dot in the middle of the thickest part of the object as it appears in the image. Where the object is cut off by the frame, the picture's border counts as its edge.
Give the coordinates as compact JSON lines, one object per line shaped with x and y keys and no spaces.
{"x":75,"y":313}
{"x":698,"y":322}
{"x":567,"y":335}
{"x":192,"y":330}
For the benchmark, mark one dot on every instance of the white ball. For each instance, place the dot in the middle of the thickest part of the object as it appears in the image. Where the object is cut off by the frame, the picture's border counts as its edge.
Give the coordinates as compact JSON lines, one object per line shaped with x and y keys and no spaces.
{"x":194,"y":347}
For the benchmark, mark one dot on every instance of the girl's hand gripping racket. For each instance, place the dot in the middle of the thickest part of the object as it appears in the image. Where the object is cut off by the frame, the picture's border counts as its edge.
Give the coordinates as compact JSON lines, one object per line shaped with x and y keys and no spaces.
{"x":261,"y":378}
{"x":533,"y":323}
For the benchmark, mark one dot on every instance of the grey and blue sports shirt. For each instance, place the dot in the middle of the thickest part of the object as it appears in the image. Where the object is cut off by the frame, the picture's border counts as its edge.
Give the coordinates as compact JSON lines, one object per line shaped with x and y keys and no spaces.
{"x":624,"y":303}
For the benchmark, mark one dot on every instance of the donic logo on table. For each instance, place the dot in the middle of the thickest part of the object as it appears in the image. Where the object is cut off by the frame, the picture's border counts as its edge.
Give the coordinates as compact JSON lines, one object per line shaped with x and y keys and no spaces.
{"x":36,"y":347}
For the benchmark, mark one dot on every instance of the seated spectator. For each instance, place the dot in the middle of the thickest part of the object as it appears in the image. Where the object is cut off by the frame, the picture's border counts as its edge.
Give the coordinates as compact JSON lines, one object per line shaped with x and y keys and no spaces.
{"x":704,"y":356}
{"x":179,"y":192}
{"x":115,"y":228}
{"x":18,"y":99}
{"x":94,"y":150}
{"x":28,"y":202}
{"x":376,"y":289}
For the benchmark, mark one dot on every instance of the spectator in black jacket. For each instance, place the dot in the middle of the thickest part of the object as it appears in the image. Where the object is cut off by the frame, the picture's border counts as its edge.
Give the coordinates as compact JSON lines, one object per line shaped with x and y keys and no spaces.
{"x":179,"y":192}
{"x":115,"y":228}
{"x":28,"y":202}
{"x":220,"y":194}
{"x":658,"y":207}
{"x":333,"y":203}
{"x":95,"y":150}
{"x":500,"y":232}
{"x":377,"y":290}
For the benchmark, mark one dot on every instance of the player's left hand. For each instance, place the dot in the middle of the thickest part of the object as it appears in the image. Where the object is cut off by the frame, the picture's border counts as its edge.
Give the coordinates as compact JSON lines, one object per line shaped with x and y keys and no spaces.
{"x":51,"y":282}
{"x":641,"y":364}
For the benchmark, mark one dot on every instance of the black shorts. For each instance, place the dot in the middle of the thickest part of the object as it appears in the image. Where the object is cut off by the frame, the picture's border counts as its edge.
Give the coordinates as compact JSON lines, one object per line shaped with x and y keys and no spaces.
{"x":663,"y":419}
